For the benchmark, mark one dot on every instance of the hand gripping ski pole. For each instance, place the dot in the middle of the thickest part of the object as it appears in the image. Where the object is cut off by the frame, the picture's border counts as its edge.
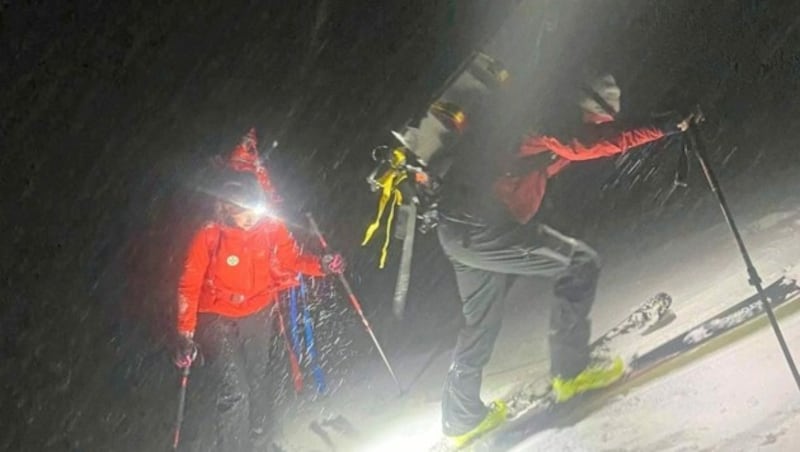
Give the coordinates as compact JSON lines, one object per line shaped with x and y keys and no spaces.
{"x":176,"y":439}
{"x":698,"y":145}
{"x":354,"y":301}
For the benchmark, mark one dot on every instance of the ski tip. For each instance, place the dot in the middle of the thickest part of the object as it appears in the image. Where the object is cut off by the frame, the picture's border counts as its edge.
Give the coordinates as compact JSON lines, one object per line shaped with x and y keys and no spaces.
{"x":664,"y":297}
{"x":668,"y":317}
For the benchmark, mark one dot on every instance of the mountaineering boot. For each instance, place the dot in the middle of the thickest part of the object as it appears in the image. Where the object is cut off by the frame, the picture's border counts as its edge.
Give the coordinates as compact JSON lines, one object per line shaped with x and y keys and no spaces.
{"x":498,"y":411}
{"x":595,"y":376}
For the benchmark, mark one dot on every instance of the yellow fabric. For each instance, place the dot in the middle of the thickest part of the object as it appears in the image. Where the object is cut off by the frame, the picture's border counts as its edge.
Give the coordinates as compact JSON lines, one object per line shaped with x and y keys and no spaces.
{"x":594,"y":377}
{"x":497,"y":415}
{"x":391,"y":196}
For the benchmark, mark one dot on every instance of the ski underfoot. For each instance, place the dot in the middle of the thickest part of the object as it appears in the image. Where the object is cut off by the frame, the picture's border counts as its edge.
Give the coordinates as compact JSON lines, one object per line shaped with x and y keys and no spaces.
{"x":651,"y":315}
{"x":728,"y":326}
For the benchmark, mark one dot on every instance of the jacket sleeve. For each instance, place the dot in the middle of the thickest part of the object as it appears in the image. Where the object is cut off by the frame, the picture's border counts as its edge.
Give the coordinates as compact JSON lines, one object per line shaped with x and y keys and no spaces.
{"x":191,"y":282}
{"x":608,"y":144}
{"x":290,"y":257}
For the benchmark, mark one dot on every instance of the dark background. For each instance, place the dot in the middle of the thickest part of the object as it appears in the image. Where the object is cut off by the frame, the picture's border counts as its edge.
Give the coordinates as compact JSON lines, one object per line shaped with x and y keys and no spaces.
{"x":110,"y":110}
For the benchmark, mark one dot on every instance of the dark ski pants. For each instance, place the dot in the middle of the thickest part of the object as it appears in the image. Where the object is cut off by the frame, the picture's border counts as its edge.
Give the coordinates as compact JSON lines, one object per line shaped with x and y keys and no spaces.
{"x":485,"y":260}
{"x":236,"y":354}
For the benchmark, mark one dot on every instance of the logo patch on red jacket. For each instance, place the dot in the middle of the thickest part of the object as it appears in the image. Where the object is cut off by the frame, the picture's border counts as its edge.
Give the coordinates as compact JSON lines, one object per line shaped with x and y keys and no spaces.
{"x":232,"y":260}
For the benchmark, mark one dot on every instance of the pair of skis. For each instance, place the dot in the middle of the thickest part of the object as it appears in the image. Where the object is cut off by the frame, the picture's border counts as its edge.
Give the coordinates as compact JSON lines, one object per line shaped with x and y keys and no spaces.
{"x":298,"y":301}
{"x":531,"y":413}
{"x":648,"y":316}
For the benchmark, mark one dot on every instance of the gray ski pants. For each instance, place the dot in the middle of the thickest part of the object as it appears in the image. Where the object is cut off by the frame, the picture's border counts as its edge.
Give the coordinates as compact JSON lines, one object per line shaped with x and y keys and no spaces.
{"x":485,"y":258}
{"x":236,"y":354}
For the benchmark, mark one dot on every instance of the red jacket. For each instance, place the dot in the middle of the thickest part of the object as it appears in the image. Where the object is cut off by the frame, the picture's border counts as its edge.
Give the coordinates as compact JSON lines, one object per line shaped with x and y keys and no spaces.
{"x":235,"y":273}
{"x":523,"y":193}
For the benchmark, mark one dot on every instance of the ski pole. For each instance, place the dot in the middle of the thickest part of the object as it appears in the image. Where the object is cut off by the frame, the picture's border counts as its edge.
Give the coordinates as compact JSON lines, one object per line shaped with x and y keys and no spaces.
{"x":356,"y":305}
{"x":754,"y":279}
{"x":181,"y":405}
{"x":294,"y":365}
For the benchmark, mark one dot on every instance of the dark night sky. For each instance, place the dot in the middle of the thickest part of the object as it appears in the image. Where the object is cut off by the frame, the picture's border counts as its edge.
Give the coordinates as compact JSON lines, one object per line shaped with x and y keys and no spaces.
{"x":108,"y":109}
{"x":120,"y":101}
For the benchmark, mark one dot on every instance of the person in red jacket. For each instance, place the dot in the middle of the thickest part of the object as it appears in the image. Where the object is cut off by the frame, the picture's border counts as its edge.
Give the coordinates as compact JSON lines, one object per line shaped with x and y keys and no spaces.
{"x":235,"y":268}
{"x":490,"y":239}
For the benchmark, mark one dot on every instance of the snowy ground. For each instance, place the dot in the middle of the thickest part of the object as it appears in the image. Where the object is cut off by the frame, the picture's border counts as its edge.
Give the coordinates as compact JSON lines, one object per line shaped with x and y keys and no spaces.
{"x":739,"y":398}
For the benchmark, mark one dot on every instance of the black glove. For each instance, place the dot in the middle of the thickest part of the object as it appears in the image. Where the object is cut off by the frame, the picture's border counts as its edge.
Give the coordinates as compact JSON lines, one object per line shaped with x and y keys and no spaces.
{"x":185,"y":351}
{"x":679,"y":123}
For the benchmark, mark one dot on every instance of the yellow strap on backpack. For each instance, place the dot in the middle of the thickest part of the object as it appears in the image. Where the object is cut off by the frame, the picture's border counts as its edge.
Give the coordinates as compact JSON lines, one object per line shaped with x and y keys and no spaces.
{"x":390,"y":195}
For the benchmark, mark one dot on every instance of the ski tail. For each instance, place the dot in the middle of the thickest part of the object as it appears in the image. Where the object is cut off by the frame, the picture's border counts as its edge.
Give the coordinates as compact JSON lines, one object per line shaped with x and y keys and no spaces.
{"x":645,"y":316}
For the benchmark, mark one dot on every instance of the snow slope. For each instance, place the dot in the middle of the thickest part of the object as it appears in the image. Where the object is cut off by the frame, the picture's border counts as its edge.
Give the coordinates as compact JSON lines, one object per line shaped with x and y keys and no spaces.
{"x":741,"y":398}
{"x":714,"y":403}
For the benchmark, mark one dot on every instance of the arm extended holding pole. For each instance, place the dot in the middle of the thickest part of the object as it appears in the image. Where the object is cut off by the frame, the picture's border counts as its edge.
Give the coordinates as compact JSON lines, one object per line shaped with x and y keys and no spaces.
{"x":354,"y":301}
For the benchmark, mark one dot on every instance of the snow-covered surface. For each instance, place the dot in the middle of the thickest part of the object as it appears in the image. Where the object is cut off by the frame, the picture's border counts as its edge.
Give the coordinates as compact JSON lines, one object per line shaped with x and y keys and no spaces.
{"x":740,"y":398}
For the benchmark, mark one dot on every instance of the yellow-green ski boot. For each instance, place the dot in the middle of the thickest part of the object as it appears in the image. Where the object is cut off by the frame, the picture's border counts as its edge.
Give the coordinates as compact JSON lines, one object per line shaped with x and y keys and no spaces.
{"x":498,"y":412}
{"x":595,"y":376}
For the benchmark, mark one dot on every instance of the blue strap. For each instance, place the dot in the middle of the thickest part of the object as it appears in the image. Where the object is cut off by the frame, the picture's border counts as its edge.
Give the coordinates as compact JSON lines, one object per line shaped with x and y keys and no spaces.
{"x":311,"y":348}
{"x":293,"y":327}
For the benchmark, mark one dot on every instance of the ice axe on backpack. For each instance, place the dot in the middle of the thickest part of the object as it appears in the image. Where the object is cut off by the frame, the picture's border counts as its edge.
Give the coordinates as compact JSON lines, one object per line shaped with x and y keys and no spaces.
{"x":407,"y":219}
{"x":396,"y":178}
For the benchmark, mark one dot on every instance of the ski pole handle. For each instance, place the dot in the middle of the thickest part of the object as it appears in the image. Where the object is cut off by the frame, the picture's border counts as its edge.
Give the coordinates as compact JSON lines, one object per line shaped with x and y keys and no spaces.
{"x":351,"y":295}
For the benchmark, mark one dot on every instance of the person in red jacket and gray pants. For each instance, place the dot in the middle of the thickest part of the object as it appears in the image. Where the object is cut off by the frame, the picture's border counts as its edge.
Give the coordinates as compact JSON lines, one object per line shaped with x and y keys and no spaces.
{"x":487,"y":232}
{"x":235,"y":268}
